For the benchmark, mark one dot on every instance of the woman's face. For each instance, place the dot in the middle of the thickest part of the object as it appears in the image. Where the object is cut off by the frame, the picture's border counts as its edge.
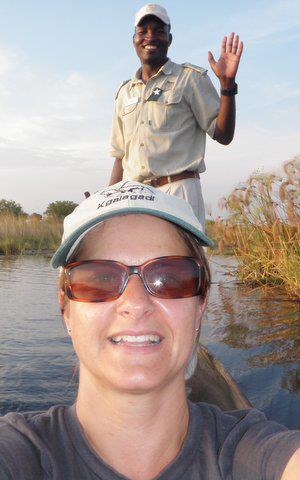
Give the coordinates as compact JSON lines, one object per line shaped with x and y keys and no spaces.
{"x":128,"y":366}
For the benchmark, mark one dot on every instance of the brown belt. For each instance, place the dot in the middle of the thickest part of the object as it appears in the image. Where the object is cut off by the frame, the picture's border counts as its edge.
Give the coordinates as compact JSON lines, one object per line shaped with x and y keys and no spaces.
{"x":160,"y":181}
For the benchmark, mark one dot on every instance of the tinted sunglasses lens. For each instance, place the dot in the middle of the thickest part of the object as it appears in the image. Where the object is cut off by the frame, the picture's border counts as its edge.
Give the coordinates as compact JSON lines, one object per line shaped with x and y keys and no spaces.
{"x":96,"y":282}
{"x":173,"y":277}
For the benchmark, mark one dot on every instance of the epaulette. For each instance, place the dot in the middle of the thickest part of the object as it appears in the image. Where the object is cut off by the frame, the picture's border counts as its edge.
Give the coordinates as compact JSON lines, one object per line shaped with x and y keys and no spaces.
{"x":194,"y":67}
{"x":122,"y":85}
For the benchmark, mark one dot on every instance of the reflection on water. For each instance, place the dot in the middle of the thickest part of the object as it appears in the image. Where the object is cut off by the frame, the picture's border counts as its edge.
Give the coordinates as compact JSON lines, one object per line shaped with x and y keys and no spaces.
{"x":255,"y":336}
{"x":273,"y":324}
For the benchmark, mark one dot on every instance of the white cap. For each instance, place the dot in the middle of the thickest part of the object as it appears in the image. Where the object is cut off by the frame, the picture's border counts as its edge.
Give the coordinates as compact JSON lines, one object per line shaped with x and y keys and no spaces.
{"x":125,"y":197}
{"x":152,"y":9}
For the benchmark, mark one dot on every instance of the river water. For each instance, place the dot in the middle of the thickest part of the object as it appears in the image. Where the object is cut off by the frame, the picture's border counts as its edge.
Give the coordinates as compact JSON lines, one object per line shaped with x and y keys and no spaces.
{"x":254,"y":334}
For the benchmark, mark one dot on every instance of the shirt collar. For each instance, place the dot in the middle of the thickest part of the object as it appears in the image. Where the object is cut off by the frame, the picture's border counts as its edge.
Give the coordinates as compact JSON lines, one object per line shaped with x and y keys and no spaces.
{"x":166,"y":69}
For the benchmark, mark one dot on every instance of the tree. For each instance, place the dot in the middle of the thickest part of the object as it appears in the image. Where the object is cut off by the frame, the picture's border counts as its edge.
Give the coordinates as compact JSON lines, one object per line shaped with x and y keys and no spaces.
{"x":10,"y":206}
{"x":36,"y":217}
{"x":60,"y":209}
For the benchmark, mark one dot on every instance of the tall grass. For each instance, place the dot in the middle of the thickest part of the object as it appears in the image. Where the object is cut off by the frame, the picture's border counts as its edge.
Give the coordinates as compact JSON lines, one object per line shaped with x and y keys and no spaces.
{"x":263,"y":228}
{"x":19,"y":234}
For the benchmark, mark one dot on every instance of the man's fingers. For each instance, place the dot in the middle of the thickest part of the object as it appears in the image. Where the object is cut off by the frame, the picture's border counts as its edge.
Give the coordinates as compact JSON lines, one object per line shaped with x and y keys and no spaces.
{"x":240,"y":49}
{"x":223,"y":45}
{"x":211,"y":59}
{"x":229,"y":43}
{"x":235,"y":44}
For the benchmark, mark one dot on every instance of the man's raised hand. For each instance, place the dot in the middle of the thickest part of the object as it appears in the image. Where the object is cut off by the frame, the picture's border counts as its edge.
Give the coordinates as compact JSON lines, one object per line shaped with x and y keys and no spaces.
{"x":227,"y":65}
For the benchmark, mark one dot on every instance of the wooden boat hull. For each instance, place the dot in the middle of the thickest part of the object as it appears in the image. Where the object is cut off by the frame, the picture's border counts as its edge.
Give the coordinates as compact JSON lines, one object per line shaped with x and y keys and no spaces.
{"x":211,"y":383}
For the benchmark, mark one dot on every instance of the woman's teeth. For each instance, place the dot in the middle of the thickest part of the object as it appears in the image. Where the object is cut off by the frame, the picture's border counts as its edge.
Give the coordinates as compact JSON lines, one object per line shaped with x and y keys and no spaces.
{"x":138,"y":340}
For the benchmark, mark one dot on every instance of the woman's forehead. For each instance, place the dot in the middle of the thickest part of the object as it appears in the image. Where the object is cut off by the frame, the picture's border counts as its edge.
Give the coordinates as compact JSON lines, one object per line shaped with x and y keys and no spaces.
{"x":130,"y":223}
{"x":140,"y":231}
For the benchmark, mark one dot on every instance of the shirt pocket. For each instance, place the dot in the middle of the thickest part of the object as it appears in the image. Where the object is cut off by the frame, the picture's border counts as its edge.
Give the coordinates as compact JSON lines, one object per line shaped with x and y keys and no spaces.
{"x":129,"y":118}
{"x":167,"y":110}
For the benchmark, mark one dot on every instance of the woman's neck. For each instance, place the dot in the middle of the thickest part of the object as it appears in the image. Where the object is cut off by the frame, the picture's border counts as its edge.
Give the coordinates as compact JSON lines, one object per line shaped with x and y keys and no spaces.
{"x":136,"y":434}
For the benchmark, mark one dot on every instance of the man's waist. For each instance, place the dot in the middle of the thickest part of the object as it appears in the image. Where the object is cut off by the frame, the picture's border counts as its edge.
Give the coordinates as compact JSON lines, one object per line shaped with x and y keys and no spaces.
{"x":163,"y":180}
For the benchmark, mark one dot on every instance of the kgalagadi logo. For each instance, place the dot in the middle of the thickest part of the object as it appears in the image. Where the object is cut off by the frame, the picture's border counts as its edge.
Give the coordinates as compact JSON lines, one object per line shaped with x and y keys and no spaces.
{"x":127,"y":190}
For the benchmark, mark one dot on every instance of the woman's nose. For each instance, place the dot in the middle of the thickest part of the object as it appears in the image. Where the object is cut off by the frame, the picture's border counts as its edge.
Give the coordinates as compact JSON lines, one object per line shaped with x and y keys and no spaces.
{"x":135,"y":301}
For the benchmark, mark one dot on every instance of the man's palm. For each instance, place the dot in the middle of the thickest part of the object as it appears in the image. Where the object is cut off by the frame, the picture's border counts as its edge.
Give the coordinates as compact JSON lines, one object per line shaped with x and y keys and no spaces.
{"x":227,"y":65}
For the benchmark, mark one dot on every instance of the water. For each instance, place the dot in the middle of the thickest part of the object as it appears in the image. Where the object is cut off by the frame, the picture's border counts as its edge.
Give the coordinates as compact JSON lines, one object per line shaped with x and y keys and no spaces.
{"x":255,"y":336}
{"x":36,"y":357}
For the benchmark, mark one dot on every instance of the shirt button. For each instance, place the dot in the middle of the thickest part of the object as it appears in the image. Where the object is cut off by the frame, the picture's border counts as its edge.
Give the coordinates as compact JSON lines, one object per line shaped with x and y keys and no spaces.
{"x":143,"y":168}
{"x":141,"y":145}
{"x":142,"y":122}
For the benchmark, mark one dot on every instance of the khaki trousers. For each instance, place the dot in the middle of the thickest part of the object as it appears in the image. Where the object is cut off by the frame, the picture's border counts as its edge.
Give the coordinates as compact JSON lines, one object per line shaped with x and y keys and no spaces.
{"x":190,"y":190}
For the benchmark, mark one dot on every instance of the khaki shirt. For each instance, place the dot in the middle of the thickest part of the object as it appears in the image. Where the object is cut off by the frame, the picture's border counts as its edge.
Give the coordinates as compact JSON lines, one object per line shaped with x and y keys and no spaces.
{"x":159,"y":128}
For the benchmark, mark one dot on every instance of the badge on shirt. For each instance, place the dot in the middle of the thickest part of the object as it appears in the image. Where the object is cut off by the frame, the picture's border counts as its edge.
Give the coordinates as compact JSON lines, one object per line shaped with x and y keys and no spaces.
{"x":131,"y":101}
{"x":155,"y":95}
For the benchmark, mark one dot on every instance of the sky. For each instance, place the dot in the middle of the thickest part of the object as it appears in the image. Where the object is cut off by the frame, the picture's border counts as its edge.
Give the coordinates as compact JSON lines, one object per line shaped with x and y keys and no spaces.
{"x":61,"y":62}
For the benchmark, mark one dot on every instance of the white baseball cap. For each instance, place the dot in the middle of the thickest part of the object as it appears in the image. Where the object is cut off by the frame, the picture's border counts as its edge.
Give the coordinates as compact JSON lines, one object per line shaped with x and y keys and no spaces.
{"x":125,"y":197}
{"x":152,"y":9}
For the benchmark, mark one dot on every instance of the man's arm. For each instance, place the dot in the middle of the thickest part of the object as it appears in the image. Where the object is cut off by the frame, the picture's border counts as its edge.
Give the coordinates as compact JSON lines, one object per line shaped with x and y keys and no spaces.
{"x":117,"y":141}
{"x":292,"y":470}
{"x":117,"y":172}
{"x":226,"y":117}
{"x":226,"y":69}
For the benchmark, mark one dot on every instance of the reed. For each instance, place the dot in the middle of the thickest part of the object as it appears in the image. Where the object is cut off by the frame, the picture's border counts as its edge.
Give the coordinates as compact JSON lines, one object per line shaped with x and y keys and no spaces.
{"x":263,"y":228}
{"x":21,"y":234}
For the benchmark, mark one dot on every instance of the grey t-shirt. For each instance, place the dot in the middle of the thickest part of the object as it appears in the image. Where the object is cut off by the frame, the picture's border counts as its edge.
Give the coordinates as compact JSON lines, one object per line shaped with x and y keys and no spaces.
{"x":240,"y":444}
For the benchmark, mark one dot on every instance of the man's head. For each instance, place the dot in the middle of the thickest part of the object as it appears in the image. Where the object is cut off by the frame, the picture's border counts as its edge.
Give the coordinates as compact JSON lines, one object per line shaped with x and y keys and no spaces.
{"x":152,"y":36}
{"x":153,"y":10}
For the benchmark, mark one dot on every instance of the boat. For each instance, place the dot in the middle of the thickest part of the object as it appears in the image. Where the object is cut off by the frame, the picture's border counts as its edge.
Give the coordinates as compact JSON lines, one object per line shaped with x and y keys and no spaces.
{"x":211,"y":383}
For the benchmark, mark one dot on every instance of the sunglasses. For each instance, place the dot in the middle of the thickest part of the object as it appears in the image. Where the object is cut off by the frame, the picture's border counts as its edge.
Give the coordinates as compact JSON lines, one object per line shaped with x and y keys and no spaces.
{"x":106,"y":280}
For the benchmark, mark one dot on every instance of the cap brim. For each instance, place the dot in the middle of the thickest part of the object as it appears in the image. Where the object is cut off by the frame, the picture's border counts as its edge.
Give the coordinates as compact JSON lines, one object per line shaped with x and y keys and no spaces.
{"x":60,"y":256}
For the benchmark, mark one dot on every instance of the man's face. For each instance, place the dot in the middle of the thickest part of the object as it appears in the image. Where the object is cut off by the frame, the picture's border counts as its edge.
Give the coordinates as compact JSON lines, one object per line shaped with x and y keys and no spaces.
{"x":151,"y":40}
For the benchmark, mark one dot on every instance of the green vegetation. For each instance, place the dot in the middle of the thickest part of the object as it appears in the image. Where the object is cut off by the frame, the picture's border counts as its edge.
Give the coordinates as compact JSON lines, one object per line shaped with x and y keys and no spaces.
{"x":263,"y":229}
{"x":10,"y":207}
{"x":19,"y":235}
{"x":22,"y":233}
{"x":60,"y":209}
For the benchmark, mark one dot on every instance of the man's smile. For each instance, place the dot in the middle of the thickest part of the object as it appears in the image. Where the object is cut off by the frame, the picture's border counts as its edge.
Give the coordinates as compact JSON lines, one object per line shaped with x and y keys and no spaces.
{"x":151,"y":48}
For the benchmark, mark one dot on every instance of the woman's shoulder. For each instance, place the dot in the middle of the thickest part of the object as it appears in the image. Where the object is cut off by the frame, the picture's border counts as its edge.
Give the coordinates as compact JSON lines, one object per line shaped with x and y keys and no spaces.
{"x":219,"y":424}
{"x":213,"y":413}
{"x":223,"y":423}
{"x":26,"y":439}
{"x":15,"y":423}
{"x":243,"y":438}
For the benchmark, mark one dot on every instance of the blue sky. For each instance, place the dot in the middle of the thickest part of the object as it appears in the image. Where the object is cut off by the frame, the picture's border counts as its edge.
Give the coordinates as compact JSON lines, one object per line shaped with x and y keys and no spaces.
{"x":61,"y":62}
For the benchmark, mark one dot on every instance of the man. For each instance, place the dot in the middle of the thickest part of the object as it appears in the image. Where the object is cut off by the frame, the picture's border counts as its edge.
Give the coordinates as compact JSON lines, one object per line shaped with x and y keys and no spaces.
{"x":163,"y":114}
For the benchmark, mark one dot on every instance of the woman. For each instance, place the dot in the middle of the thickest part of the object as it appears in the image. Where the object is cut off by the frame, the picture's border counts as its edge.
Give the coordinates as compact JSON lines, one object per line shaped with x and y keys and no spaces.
{"x":134,"y":282}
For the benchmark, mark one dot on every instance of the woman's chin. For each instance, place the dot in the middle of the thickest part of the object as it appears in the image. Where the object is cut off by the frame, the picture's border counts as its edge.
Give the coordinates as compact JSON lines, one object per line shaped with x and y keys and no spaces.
{"x":138,"y":380}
